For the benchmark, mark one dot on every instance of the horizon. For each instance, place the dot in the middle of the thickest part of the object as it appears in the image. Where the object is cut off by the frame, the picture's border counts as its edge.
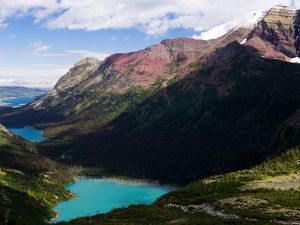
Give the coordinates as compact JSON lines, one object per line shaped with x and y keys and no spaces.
{"x":42,"y":40}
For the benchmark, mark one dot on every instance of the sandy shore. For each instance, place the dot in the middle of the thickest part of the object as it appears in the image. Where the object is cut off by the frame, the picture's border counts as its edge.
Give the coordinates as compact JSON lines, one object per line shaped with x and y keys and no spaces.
{"x":54,"y":218}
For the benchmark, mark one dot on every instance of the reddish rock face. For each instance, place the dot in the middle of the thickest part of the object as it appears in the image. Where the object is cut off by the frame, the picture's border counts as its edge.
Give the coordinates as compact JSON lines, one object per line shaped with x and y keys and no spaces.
{"x":166,"y":60}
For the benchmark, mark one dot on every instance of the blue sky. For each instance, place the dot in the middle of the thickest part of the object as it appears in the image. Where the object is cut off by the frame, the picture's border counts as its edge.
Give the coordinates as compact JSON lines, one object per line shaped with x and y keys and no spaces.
{"x":41,"y":39}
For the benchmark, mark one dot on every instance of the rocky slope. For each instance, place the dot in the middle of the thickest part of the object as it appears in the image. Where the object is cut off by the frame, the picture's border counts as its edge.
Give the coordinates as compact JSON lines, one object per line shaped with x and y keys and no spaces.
{"x":3,"y":130}
{"x":67,"y":83}
{"x":277,"y":34}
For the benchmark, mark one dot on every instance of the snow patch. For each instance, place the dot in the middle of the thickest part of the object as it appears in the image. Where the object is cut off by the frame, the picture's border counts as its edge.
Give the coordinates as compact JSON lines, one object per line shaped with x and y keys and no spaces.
{"x":213,"y":33}
{"x":253,"y":22}
{"x":244,"y":41}
{"x":295,"y":60}
{"x":216,"y":31}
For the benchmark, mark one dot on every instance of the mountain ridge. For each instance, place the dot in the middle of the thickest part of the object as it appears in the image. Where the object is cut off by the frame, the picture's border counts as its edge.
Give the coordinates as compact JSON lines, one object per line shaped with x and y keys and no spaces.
{"x":201,"y":125}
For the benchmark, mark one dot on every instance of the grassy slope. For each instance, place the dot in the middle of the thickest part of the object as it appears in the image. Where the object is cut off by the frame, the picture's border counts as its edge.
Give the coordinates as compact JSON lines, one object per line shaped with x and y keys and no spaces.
{"x":97,"y":109}
{"x":30,"y":185}
{"x":239,"y":194}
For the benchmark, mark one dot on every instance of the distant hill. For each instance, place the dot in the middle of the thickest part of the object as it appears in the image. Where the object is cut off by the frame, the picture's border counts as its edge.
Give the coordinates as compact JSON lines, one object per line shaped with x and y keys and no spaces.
{"x":18,"y":91}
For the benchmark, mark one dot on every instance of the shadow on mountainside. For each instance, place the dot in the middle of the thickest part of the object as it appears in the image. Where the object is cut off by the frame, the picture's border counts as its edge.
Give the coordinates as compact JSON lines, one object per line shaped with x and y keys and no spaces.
{"x":233,"y":113}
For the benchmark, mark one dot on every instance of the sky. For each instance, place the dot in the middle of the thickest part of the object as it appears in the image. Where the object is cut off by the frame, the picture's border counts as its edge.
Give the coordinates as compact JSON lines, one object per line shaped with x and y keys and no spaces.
{"x":41,"y":39}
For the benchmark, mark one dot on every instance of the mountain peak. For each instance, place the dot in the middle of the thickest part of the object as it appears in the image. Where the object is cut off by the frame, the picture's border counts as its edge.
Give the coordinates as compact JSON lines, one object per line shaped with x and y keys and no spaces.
{"x":282,"y":10}
{"x":280,"y":6}
{"x":276,"y":33}
{"x":88,"y":60}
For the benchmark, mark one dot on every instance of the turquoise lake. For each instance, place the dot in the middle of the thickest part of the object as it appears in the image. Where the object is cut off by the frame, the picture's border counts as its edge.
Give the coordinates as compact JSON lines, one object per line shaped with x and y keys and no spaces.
{"x":29,"y":133}
{"x":103,"y":195}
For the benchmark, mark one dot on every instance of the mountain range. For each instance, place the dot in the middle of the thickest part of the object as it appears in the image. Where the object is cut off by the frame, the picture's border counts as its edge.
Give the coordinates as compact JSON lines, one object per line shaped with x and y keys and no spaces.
{"x":185,"y":110}
{"x":17,"y":91}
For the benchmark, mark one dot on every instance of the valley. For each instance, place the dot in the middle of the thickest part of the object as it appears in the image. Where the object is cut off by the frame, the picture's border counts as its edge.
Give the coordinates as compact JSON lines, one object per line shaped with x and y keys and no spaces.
{"x":219,"y":119}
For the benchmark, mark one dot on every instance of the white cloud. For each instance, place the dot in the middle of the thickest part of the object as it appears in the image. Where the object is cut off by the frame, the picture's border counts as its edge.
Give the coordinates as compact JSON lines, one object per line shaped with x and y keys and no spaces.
{"x":39,"y":46}
{"x":35,"y":76}
{"x":127,"y":38}
{"x":19,"y":8}
{"x":41,"y":51}
{"x":84,"y":54}
{"x":154,"y":17}
{"x":27,"y":82}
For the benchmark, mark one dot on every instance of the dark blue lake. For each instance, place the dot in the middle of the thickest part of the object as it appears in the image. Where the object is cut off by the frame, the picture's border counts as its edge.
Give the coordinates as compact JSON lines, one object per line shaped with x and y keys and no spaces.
{"x":29,"y":133}
{"x":103,"y":195}
{"x":17,"y":101}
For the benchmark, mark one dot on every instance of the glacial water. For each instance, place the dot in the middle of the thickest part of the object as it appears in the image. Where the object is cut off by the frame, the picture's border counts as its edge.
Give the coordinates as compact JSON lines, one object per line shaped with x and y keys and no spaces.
{"x":103,"y":195}
{"x":29,"y":133}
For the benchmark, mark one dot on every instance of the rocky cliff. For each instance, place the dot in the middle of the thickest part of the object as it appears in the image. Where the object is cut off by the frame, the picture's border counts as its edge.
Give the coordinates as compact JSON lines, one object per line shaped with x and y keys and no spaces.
{"x":277,"y":34}
{"x":4,"y":131}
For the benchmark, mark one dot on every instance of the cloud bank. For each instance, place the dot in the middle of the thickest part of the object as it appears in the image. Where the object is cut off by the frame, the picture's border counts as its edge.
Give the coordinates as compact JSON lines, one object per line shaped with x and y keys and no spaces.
{"x":39,"y":46}
{"x":43,"y":76}
{"x":153,"y":17}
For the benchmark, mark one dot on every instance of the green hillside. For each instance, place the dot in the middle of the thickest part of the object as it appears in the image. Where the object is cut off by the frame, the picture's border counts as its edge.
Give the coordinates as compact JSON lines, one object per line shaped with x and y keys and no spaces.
{"x":30,"y":185}
{"x":266,"y":194}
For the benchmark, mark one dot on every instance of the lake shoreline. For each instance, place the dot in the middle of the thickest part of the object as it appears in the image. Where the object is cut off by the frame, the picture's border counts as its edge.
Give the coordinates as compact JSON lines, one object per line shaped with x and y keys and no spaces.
{"x":123,"y":188}
{"x":127,"y":180}
{"x":54,"y":218}
{"x":29,"y":133}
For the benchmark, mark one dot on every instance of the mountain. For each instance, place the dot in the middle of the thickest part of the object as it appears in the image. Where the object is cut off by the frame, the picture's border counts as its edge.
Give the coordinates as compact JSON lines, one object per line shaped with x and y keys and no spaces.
{"x":180,"y":110}
{"x":277,"y":35}
{"x":228,"y":115}
{"x":93,"y":93}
